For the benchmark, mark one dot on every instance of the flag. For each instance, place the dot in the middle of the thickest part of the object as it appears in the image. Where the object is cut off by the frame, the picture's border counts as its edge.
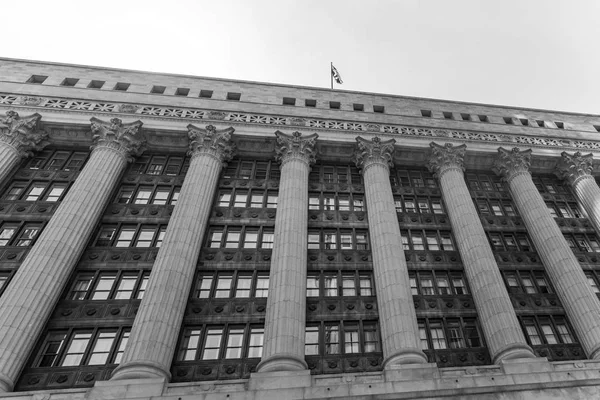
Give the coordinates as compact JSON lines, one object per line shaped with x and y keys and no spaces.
{"x":336,"y":75}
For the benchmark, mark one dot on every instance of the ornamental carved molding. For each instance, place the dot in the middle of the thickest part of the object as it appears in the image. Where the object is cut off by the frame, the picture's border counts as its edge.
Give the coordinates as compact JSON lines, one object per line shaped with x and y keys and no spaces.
{"x":23,"y":134}
{"x":511,"y":163}
{"x":212,"y":142}
{"x":123,"y":138}
{"x":446,"y":157}
{"x":572,"y":168}
{"x":373,"y":151}
{"x":295,"y":146}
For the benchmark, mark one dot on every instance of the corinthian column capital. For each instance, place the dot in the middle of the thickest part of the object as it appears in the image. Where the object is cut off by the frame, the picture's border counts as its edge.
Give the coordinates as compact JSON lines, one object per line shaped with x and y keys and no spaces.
{"x":211,"y":142}
{"x":511,"y":163}
{"x":23,"y":134}
{"x":375,"y":151}
{"x":446,"y":157}
{"x":122,"y":138}
{"x":296,"y":147}
{"x":573,"y":168}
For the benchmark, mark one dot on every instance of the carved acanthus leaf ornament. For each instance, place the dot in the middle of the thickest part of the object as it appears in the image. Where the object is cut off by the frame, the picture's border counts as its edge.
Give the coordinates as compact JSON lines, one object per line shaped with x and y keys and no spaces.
{"x":295,"y":146}
{"x":23,"y":133}
{"x":374,"y":151}
{"x":512,"y":162}
{"x":124,"y":138}
{"x":446,"y":156}
{"x":573,"y":167}
{"x":211,"y":141}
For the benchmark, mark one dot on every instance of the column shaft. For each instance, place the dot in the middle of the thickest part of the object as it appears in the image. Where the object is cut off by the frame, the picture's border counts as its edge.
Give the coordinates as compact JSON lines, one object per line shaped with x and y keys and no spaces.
{"x":9,"y":159}
{"x":504,"y":336}
{"x":397,"y":317}
{"x":286,"y":306}
{"x":153,"y":338}
{"x":580,"y":303}
{"x":34,"y":290}
{"x":588,"y":195}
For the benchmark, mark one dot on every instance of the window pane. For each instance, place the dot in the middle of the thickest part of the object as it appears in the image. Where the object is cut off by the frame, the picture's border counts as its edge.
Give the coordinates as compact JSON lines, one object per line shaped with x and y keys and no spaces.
{"x":332,"y":339}
{"x":234,"y":343}
{"x":189,"y":345}
{"x":101,"y":349}
{"x":212,"y":344}
{"x":143,"y":195}
{"x":311,"y":340}
{"x":330,"y":284}
{"x":262,"y":286}
{"x":351,"y":340}
{"x":125,"y":237}
{"x":125,"y":288}
{"x":243,"y":286}
{"x":223,"y":286}
{"x":312,"y":285}
{"x":104,"y":286}
{"x":255,"y":345}
{"x":76,"y":349}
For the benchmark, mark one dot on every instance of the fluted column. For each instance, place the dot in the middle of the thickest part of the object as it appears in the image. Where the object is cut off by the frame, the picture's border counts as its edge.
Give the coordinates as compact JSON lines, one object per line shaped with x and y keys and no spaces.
{"x":34,"y":290}
{"x":503,"y":334}
{"x":19,"y":140}
{"x":283,"y":348}
{"x":153,"y":337}
{"x":578,"y":299}
{"x":397,"y":317}
{"x":577,"y":169}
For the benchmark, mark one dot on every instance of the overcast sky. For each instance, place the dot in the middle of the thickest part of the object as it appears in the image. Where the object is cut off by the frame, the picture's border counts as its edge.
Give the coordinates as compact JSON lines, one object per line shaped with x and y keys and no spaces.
{"x":539,"y":54}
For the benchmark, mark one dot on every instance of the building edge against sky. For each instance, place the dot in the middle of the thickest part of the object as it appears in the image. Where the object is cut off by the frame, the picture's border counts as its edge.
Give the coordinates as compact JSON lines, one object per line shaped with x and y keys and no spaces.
{"x":181,"y":237}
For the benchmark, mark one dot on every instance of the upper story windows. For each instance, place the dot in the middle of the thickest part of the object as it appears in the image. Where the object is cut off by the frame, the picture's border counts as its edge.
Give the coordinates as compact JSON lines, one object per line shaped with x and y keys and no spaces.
{"x":342,"y":174}
{"x":245,"y":198}
{"x":562,"y":209}
{"x":146,"y":194}
{"x":130,"y":235}
{"x":417,"y":239}
{"x":216,"y":342}
{"x":442,"y":283}
{"x":345,"y":337}
{"x":583,"y":242}
{"x":76,"y":347}
{"x":510,"y":241}
{"x":527,"y":282}
{"x":105,"y":285}
{"x":412,"y":178}
{"x":336,"y":201}
{"x":421,"y":205}
{"x":244,"y":169}
{"x":36,"y":191}
{"x":58,"y":160}
{"x":160,"y":165}
{"x":245,"y":237}
{"x":496,"y":207}
{"x":238,"y":284}
{"x":338,"y":239}
{"x":449,"y":333}
{"x":21,"y":234}
{"x":549,"y":184}
{"x":548,"y":329}
{"x":485,"y":182}
{"x":339,"y":283}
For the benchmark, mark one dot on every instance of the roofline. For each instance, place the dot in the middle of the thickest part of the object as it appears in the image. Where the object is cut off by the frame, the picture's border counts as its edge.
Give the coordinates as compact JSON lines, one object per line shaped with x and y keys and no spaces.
{"x":296,"y":86}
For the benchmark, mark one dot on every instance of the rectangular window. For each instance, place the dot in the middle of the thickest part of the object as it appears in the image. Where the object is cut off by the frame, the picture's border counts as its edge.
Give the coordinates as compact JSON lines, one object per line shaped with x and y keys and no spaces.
{"x":27,"y":235}
{"x":7,"y":231}
{"x":311,"y":340}
{"x":312,"y":285}
{"x":212,"y":344}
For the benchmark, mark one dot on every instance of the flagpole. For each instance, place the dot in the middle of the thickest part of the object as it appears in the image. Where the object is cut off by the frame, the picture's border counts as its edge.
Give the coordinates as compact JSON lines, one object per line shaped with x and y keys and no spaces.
{"x":331,"y":73}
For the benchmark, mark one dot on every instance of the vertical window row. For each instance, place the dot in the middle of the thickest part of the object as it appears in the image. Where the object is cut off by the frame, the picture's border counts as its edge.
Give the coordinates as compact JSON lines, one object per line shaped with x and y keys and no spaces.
{"x":245,"y":198}
{"x":431,"y":283}
{"x":412,"y":178}
{"x":417,"y":239}
{"x":338,"y":239}
{"x":238,"y":284}
{"x":421,"y":205}
{"x":160,"y":165}
{"x":221,"y":342}
{"x":342,"y":337}
{"x":244,"y":237}
{"x":145,"y":194}
{"x":336,"y":202}
{"x":117,"y":285}
{"x":246,"y":169}
{"x":339,"y":283}
{"x":342,"y":174}
{"x":449,"y":333}
{"x":54,"y":160}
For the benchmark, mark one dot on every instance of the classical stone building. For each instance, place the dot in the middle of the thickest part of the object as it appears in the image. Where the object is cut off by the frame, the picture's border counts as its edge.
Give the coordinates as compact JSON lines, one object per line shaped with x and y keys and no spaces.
{"x":177,"y":237}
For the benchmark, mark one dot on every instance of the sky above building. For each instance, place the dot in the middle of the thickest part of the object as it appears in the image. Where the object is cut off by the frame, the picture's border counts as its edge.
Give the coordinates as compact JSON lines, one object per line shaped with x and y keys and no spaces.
{"x":528,"y":53}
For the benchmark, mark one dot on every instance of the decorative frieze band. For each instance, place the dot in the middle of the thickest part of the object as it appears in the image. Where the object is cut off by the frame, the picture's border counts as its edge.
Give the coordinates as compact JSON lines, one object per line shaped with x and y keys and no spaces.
{"x":313,"y":123}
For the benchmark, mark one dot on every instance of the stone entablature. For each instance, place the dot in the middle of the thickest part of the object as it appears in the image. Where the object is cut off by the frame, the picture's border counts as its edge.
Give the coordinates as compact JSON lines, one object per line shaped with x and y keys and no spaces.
{"x":295,"y":122}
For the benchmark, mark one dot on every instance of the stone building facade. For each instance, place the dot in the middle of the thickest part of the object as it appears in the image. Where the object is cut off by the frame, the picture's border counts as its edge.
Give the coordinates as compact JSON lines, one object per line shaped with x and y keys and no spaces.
{"x":177,"y":237}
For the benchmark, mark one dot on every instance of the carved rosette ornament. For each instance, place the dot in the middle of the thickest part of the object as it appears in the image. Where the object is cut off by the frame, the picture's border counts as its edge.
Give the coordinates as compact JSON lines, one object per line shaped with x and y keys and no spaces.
{"x":211,"y":142}
{"x":574,"y":168}
{"x":446,"y":157}
{"x":375,"y":151}
{"x":122,"y":138}
{"x":511,"y":163}
{"x":296,"y":147}
{"x":23,"y":134}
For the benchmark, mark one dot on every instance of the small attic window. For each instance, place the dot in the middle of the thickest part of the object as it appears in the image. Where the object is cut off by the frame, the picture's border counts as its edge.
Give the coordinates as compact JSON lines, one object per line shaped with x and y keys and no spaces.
{"x":426,"y":113}
{"x":310,"y":103}
{"x":96,"y":84}
{"x":69,"y":82}
{"x":182,"y":92}
{"x":541,"y":123}
{"x":465,"y":117}
{"x":379,"y":109}
{"x":508,"y":120}
{"x":560,"y":125}
{"x":122,"y":86}
{"x":207,"y":94}
{"x":158,"y":89}
{"x":289,"y":101}
{"x":483,"y":118}
{"x":39,"y":79}
{"x":334,"y":105}
{"x":234,"y":96}
{"x":448,"y":115}
{"x":358,"y":107}
{"x":524,"y":121}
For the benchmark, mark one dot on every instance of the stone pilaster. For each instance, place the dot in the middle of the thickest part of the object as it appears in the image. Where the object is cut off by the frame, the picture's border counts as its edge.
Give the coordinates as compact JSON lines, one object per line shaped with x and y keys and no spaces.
{"x":503,"y":334}
{"x":397,"y":317}
{"x":580,"y":303}
{"x":576,"y":170}
{"x":286,"y":306}
{"x":19,"y":140}
{"x":153,"y":337}
{"x":34,"y":290}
